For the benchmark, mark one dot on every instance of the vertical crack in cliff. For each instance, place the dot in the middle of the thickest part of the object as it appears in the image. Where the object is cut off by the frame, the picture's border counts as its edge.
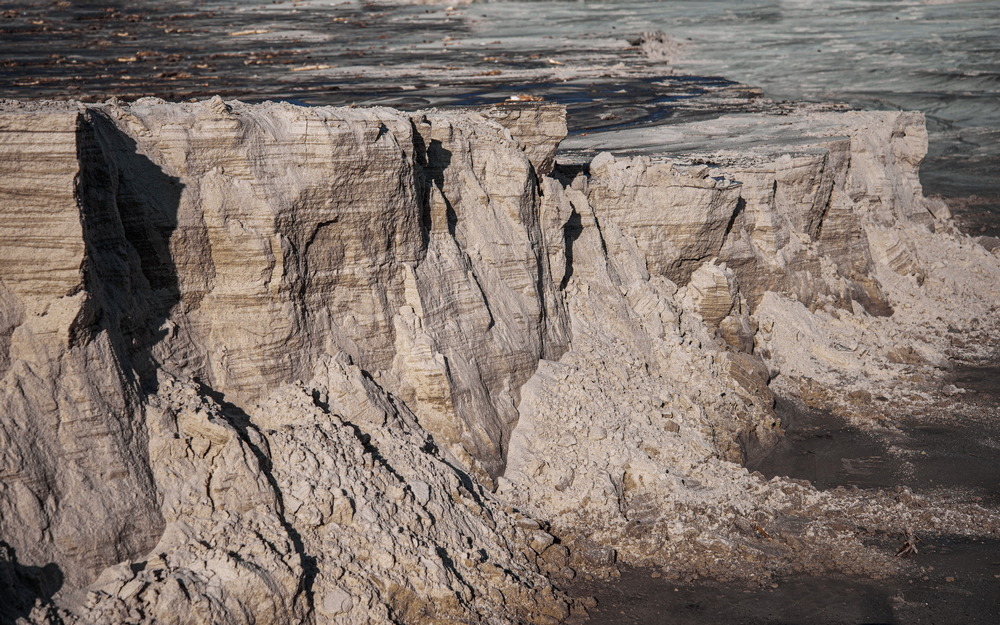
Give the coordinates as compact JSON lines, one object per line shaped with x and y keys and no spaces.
{"x":741,"y":204}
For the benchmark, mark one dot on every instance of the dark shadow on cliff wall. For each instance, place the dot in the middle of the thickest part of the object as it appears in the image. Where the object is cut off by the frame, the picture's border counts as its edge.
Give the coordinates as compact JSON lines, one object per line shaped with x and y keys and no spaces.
{"x":22,"y":586}
{"x":131,"y":209}
{"x":571,"y":232}
{"x":439,"y":158}
{"x":432,"y":160}
{"x":128,"y":211}
{"x":573,"y":228}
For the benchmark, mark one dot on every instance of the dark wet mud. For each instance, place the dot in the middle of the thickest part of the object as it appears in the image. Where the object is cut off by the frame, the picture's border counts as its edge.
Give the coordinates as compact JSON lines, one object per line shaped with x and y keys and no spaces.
{"x":949,"y":580}
{"x":957,"y":454}
{"x":977,"y":216}
{"x":960,"y":459}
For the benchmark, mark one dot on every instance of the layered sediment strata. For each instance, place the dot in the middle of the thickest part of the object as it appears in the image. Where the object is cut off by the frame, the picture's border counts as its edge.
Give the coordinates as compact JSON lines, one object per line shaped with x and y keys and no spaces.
{"x":700,"y":286}
{"x":290,"y":364}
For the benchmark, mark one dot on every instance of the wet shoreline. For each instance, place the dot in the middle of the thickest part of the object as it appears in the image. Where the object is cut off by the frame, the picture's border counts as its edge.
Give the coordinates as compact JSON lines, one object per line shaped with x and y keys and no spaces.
{"x":952,"y":579}
{"x":331,"y":55}
{"x":611,"y":73}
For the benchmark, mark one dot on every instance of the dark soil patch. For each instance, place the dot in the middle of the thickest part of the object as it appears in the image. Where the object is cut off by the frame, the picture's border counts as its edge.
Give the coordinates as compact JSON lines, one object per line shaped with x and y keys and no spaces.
{"x":950,"y":580}
{"x":958,"y":452}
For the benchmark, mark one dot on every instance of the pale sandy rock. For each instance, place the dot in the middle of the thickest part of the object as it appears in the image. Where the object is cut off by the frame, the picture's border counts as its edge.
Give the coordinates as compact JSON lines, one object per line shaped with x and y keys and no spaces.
{"x":882,"y":253}
{"x":418,"y":540}
{"x":537,"y":128}
{"x":226,"y":551}
{"x":271,"y":361}
{"x":809,"y":269}
{"x":811,"y":183}
{"x":488,"y":305}
{"x":234,"y":245}
{"x":657,"y":46}
{"x":633,"y":416}
{"x":76,"y":487}
{"x":268,"y":255}
{"x":677,"y":216}
{"x":799,"y":233}
{"x":295,"y":514}
{"x":713,"y":293}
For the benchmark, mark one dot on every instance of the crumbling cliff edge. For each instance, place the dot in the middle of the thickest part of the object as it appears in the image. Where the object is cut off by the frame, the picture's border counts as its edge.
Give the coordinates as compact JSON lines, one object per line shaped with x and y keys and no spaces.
{"x":278,"y":364}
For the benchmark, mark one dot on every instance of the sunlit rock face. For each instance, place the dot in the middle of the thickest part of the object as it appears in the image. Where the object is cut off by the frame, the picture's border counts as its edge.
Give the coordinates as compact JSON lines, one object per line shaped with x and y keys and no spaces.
{"x":167,"y":269}
{"x":688,"y":281}
{"x":282,"y":364}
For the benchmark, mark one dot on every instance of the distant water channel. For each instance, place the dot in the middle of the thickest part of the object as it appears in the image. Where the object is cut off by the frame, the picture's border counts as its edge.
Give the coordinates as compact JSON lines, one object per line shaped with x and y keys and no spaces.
{"x":941,"y":57}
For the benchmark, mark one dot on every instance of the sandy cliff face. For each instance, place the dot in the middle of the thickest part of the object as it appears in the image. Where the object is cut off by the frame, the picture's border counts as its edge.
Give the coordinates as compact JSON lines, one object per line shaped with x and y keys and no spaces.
{"x":697,"y":290}
{"x":291,"y":364}
{"x":203,"y":259}
{"x":432,"y":262}
{"x":77,"y":477}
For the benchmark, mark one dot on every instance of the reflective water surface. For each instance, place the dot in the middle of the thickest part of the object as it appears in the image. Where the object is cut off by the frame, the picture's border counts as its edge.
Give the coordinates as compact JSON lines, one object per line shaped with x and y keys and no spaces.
{"x":941,"y":57}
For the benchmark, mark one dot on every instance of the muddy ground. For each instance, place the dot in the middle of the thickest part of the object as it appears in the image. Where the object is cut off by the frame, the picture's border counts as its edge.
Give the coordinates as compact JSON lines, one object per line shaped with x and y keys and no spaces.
{"x":952,"y":455}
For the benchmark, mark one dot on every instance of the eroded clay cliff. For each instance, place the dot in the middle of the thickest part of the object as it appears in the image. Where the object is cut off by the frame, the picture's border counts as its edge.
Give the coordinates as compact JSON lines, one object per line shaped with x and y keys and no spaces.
{"x":282,"y":364}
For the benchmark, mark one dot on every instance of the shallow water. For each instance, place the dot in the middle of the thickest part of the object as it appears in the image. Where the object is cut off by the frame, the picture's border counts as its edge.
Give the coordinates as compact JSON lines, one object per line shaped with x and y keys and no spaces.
{"x":938,"y":56}
{"x":941,"y":57}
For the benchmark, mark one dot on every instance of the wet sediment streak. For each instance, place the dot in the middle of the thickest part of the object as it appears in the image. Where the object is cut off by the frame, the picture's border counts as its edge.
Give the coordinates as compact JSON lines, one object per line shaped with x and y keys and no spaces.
{"x":357,"y":55}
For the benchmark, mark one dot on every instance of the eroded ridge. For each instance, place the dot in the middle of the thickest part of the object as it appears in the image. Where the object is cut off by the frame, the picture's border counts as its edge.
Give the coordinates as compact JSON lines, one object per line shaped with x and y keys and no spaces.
{"x":282,"y":364}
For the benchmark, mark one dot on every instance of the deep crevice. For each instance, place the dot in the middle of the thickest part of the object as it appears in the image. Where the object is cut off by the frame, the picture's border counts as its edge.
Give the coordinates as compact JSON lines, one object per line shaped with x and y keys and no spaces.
{"x":741,"y":204}
{"x":571,"y":232}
